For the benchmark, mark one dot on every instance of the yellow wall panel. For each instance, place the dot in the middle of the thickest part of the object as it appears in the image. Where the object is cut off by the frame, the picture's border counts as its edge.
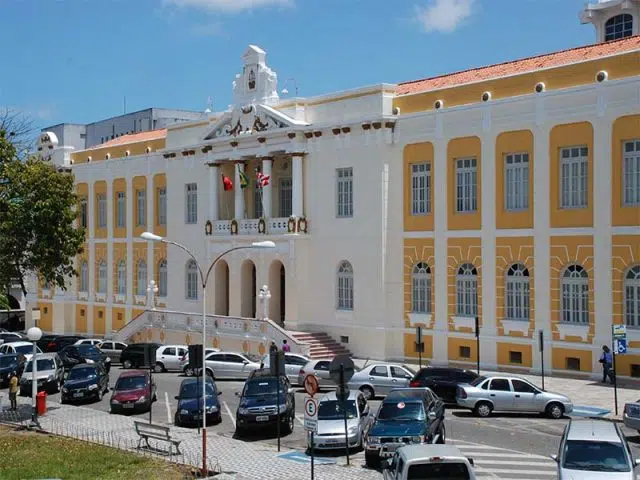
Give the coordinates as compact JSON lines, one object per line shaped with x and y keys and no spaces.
{"x":414,"y":154}
{"x":417,"y":250}
{"x":46,"y":316}
{"x":99,"y":317}
{"x":410,"y":346}
{"x":99,"y":188}
{"x":624,"y":129}
{"x":159,"y":181}
{"x":455,"y":352}
{"x":467,"y":147}
{"x":118,"y":318}
{"x":81,"y":320}
{"x":119,"y":186}
{"x":459,"y":251}
{"x":625,"y":254}
{"x":504,"y":356}
{"x":117,"y":151}
{"x":139,"y":185}
{"x":559,"y":358}
{"x":513,"y":142}
{"x":625,"y":362}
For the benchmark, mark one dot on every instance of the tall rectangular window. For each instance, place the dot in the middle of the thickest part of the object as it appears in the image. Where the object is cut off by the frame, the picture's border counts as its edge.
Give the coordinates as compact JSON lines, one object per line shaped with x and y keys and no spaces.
{"x":420,"y":188}
{"x":162,"y":206}
{"x":631,"y":173}
{"x":574,"y":164}
{"x":191,"y":203}
{"x":516,"y":181}
{"x":83,"y":212}
{"x":102,"y":210}
{"x":141,"y":207}
{"x":257,"y":196}
{"x":285,"y":197}
{"x":466,"y":185}
{"x":121,"y":210}
{"x":344,"y":192}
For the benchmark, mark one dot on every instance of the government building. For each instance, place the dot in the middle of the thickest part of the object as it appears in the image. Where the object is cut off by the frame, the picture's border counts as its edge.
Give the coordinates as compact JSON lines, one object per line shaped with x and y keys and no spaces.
{"x":508,"y":193}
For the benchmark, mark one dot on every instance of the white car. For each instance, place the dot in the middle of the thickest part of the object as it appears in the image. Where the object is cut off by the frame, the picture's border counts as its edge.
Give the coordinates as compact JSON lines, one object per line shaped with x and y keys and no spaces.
{"x":89,"y":341}
{"x":20,"y":348}
{"x":168,"y":357}
{"x":230,"y":365}
{"x":429,"y":461}
{"x":184,"y":362}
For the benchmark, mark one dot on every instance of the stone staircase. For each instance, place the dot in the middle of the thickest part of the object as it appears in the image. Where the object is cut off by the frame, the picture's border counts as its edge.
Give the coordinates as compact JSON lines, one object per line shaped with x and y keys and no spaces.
{"x":321,"y":344}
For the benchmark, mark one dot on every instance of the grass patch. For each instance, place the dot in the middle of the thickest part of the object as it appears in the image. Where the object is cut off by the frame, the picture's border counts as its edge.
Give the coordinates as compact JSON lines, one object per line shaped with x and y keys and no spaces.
{"x":29,"y":455}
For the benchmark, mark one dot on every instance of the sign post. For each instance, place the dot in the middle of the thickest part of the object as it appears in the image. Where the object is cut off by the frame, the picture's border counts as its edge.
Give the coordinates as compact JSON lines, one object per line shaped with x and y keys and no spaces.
{"x":541,"y":348}
{"x":419,"y":344}
{"x":311,"y":413}
{"x":341,"y":369}
{"x":619,"y":339}
{"x":478,"y":344}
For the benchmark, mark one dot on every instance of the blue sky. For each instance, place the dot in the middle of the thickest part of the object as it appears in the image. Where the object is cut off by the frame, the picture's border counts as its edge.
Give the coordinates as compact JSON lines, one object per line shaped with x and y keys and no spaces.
{"x":75,"y":60}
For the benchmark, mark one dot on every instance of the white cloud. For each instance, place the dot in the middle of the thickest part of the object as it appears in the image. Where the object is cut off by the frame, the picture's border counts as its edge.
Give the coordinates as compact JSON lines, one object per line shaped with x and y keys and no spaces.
{"x":229,"y":6}
{"x":443,"y":15}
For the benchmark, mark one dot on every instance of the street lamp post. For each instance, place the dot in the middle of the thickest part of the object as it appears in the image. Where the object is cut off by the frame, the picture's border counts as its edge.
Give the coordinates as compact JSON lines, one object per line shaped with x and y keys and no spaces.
{"x":204,"y":277}
{"x":34,"y":334}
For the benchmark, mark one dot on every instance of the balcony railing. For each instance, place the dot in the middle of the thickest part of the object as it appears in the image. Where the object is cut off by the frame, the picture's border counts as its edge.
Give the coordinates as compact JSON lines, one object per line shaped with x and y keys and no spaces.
{"x":252,"y":226}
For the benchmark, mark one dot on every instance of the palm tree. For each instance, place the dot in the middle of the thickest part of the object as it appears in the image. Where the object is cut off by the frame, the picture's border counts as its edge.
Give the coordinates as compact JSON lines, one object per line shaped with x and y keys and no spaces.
{"x":4,"y":302}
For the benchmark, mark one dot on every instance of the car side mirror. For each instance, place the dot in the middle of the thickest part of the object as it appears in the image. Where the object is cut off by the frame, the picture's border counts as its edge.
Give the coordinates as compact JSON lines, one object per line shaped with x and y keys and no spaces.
{"x":636,"y":462}
{"x":432,"y":415}
{"x":177,"y":397}
{"x":291,"y":390}
{"x":470,"y":460}
{"x":237,"y":394}
{"x":554,"y":458}
{"x":244,"y":362}
{"x":219,"y":393}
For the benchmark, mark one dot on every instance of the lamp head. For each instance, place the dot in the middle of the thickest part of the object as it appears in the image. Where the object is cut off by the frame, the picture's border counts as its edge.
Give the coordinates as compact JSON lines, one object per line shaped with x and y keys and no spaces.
{"x":34,"y":334}
{"x":285,"y":91}
{"x":264,"y":244}
{"x":152,"y":237}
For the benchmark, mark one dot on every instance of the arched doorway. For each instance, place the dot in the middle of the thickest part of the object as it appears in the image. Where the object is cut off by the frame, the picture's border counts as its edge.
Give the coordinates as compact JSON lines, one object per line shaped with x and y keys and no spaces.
{"x":222,"y":288}
{"x":277,"y":282}
{"x":248,"y":289}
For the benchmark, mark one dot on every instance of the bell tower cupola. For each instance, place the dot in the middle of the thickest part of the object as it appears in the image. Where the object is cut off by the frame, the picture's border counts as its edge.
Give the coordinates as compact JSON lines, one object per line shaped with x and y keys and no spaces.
{"x":612,"y":19}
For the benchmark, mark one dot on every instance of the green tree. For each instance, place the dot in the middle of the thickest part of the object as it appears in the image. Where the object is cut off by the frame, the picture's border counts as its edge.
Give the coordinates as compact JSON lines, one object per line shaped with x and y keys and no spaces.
{"x":37,"y":214}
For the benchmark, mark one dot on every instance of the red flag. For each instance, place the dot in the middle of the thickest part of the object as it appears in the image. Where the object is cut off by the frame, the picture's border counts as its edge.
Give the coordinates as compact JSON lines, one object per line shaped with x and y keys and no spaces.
{"x":227,"y":183}
{"x":263,"y":180}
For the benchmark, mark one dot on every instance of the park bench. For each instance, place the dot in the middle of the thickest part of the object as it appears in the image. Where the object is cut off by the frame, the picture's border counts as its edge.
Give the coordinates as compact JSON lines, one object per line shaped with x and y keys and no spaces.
{"x":148,"y":431}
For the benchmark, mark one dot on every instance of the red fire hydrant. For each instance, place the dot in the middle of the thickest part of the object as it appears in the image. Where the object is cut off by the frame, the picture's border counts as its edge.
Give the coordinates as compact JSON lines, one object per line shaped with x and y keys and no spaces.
{"x":41,"y":403}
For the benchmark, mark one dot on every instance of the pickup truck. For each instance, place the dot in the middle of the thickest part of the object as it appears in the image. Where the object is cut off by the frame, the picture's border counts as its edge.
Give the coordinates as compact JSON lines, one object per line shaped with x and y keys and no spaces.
{"x":428,"y":461}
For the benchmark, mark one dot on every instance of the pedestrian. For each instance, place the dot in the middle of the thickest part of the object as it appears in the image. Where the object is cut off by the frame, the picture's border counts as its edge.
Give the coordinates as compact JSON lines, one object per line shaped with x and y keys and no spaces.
{"x":13,"y":391}
{"x":285,"y":346}
{"x":273,"y":348}
{"x":606,"y":359}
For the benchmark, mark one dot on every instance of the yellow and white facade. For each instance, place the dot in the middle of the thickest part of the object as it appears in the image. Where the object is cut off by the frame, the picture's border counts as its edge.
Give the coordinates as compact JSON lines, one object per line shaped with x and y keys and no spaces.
{"x":510,"y":193}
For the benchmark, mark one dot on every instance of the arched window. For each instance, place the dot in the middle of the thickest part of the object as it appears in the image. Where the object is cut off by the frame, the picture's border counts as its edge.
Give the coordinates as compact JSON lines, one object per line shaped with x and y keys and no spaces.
{"x":575,"y":295}
{"x":620,"y":26}
{"x":345,"y":286}
{"x":121,"y":283}
{"x":141,"y":278}
{"x":191,"y":292}
{"x":84,"y":276}
{"x":467,"y":291}
{"x":162,"y":278}
{"x":632,"y":296}
{"x":102,"y":277}
{"x":421,"y":288}
{"x":517,"y":293}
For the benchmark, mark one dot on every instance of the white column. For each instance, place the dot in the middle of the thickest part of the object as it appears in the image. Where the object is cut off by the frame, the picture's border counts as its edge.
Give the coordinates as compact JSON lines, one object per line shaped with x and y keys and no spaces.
{"x":129,"y":222}
{"x":239,"y":193}
{"x":267,"y":163}
{"x":151,"y":215}
{"x":440,"y":353}
{"x":214,"y":180}
{"x":297,"y":187}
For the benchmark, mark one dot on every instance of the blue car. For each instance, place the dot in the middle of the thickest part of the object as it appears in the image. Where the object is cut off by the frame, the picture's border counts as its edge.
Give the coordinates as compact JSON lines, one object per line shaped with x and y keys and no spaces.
{"x":406,"y":416}
{"x":189,"y":410}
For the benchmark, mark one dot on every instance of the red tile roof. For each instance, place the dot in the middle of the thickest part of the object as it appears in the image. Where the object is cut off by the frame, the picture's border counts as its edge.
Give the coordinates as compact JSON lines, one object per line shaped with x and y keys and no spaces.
{"x":555,"y":59}
{"x":133,"y":138}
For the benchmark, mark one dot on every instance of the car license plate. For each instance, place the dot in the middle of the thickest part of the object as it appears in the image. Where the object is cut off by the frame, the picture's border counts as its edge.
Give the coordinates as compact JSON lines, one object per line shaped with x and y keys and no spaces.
{"x":333,"y":441}
{"x":127,"y":405}
{"x":77,"y":395}
{"x":262,"y":418}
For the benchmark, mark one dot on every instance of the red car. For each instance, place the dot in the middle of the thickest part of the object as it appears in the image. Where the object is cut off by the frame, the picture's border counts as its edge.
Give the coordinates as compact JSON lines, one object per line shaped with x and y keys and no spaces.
{"x":135,"y":391}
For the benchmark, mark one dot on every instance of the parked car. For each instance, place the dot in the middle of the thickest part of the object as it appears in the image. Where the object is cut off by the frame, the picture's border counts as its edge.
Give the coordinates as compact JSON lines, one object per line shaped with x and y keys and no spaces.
{"x":258,"y":407}
{"x":189,"y":409}
{"x":85,"y":381}
{"x":186,"y":368}
{"x":630,"y":416}
{"x":58,"y":342}
{"x":500,"y":393}
{"x":406,"y":416}
{"x":331,"y":434}
{"x":112,"y":349}
{"x":135,"y":391}
{"x":168,"y":357}
{"x":88,"y":341}
{"x":133,"y":355}
{"x":230,"y":365}
{"x":443,"y":381}
{"x":293,"y":362}
{"x":49,"y":374}
{"x":594,"y":450}
{"x":320,"y":369}
{"x":21,"y":348}
{"x":72,"y":355}
{"x":9,"y":363}
{"x":378,"y":379}
{"x":44,"y":341}
{"x":429,"y":461}
{"x":6,"y":337}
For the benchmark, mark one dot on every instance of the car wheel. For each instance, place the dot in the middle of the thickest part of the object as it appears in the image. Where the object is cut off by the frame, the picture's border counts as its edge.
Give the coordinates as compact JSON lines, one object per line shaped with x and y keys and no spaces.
{"x":372,"y":460}
{"x":159,"y":368}
{"x":290,"y":424}
{"x":210,"y":374}
{"x":127,"y":364}
{"x":555,"y":411}
{"x":176,"y":421}
{"x":99,"y":395}
{"x":367,"y":392}
{"x":58,"y":386}
{"x":188,"y":371}
{"x":483,"y":409}
{"x":442,"y":439}
{"x":240,"y":432}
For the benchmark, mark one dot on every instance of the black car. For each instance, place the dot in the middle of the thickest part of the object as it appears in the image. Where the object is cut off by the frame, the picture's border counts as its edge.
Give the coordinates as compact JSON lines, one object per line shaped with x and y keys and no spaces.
{"x":442,"y":381}
{"x":55,"y":343}
{"x":7,"y":337}
{"x":85,"y":381}
{"x":73,"y":355}
{"x":10,"y":362}
{"x":189,"y":409}
{"x":259,"y":403}
{"x":133,"y":355}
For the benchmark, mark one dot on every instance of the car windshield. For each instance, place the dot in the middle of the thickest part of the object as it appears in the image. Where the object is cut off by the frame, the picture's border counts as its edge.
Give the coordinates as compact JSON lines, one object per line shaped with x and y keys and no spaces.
{"x":194,"y":390}
{"x":88,"y":350}
{"x":478,"y":381}
{"x":131,"y":383}
{"x":26,"y":349}
{"x":8,"y":360}
{"x":262,"y":386}
{"x":333,"y":410}
{"x":401,"y":411}
{"x":595,"y":456}
{"x":444,"y":471}
{"x":43,"y":364}
{"x":82,"y":373}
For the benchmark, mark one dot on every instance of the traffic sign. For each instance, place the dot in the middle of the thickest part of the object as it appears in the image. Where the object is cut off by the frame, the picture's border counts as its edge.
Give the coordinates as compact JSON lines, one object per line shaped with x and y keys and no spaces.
{"x":310,"y":414}
{"x":620,"y":346}
{"x":619,"y":331}
{"x":347,"y":365}
{"x":311,"y":384}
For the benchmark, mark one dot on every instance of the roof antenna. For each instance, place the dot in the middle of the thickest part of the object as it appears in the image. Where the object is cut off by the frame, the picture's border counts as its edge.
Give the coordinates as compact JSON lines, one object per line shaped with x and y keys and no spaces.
{"x":124,"y":104}
{"x":209,"y":105}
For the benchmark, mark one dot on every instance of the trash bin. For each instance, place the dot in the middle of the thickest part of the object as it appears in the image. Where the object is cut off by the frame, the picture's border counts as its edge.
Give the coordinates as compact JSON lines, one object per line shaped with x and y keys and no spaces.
{"x":41,"y":403}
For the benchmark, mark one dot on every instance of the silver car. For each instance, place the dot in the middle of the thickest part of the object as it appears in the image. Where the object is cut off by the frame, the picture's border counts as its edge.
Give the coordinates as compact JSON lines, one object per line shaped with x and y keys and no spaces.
{"x":378,"y":379}
{"x":503,"y":393}
{"x":331,"y":434}
{"x":112,"y":349}
{"x":230,"y":365}
{"x":293,"y":362}
{"x":594,"y":450}
{"x":186,"y":368}
{"x":318,"y":368}
{"x":50,"y":374}
{"x":169,"y":357}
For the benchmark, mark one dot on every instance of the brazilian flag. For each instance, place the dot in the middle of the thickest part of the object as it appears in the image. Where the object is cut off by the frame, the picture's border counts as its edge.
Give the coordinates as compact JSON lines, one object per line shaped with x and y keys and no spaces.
{"x":244,"y":181}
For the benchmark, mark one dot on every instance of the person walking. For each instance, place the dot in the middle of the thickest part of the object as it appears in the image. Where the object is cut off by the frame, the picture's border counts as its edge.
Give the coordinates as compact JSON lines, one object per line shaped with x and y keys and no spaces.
{"x":13,"y":391}
{"x":285,"y":346}
{"x":606,"y":359}
{"x":273,"y":348}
